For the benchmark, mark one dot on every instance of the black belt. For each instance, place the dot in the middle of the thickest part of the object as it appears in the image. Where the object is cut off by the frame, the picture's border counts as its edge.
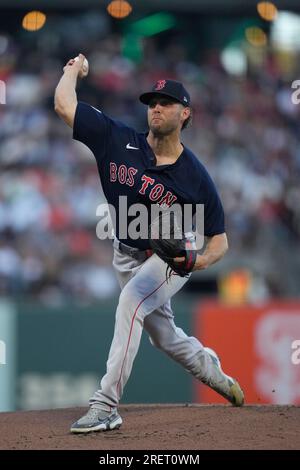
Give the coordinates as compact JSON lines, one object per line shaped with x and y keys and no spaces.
{"x":140,"y":255}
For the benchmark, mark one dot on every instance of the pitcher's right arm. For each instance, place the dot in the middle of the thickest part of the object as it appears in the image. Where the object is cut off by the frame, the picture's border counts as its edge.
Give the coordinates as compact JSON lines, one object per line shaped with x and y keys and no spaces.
{"x":65,"y":98}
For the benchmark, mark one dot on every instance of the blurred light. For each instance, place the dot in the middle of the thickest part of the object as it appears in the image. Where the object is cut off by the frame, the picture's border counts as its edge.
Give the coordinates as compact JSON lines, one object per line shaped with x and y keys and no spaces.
{"x":34,"y":20}
{"x":235,"y":287}
{"x":256,"y":36}
{"x":234,"y":61}
{"x":119,"y":8}
{"x":267,"y":10}
{"x":153,"y":24}
{"x":285,"y":31}
{"x":132,"y":47}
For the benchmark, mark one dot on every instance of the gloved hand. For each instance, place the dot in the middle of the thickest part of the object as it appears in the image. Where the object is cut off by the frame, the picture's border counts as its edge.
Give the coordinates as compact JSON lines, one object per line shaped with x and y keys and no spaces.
{"x":168,"y":241}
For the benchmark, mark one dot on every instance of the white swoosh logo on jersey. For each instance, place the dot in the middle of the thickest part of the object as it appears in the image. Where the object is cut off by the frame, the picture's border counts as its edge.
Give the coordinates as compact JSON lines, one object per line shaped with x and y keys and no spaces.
{"x":129,"y":147}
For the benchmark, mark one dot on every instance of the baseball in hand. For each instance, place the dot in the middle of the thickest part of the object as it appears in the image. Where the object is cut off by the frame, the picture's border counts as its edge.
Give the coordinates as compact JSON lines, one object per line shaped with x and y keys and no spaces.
{"x":85,"y":68}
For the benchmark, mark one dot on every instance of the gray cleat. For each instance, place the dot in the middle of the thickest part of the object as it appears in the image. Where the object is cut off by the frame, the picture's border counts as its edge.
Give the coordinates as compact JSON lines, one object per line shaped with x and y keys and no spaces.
{"x":223,"y":384}
{"x":97,"y":420}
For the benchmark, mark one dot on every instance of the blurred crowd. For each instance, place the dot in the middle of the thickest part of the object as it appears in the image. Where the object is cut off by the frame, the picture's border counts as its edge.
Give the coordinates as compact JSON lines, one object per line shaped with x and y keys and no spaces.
{"x":245,"y":130}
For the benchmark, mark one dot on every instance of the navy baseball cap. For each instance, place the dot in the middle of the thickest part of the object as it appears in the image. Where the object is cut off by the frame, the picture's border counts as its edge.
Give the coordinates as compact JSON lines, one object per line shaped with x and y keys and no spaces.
{"x":169,"y":88}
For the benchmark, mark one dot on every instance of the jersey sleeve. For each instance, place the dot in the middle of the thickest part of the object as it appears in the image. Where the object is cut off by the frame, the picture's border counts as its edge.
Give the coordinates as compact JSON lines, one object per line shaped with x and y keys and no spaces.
{"x":92,"y":128}
{"x":214,"y":220}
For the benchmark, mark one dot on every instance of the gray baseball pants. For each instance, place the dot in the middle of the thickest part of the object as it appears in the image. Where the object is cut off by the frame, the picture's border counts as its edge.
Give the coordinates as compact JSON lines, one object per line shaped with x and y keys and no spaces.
{"x":145,"y":303}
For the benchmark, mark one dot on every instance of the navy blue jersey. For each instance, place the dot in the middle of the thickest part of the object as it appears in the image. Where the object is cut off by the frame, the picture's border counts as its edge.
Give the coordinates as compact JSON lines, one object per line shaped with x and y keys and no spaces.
{"x":127,"y":167}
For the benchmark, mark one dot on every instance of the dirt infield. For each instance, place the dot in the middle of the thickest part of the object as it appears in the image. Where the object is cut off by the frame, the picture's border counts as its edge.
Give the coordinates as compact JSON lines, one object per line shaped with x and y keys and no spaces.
{"x":158,"y":427}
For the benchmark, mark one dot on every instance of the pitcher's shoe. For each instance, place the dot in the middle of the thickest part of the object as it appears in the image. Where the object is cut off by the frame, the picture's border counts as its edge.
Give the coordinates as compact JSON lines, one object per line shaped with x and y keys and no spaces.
{"x":97,"y":420}
{"x":223,"y":384}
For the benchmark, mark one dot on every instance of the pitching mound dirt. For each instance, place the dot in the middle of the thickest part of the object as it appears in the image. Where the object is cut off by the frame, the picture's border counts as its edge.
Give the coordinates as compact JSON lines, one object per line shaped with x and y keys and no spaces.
{"x":159,"y":427}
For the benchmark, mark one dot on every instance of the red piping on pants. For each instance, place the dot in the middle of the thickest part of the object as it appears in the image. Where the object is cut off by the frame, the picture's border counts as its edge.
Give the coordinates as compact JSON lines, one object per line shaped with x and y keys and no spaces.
{"x":132,"y":321}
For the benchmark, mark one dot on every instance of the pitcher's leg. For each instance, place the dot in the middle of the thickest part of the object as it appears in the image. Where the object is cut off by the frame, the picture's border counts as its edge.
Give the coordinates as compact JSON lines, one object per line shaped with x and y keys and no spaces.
{"x":188,"y":351}
{"x":102,"y":416}
{"x":145,"y":292}
{"x":169,"y":338}
{"x":203,"y":363}
{"x":126,"y":340}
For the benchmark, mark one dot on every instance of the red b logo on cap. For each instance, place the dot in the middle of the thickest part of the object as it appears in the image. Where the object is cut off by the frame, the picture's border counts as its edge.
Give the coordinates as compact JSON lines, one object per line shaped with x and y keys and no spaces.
{"x":160,"y":85}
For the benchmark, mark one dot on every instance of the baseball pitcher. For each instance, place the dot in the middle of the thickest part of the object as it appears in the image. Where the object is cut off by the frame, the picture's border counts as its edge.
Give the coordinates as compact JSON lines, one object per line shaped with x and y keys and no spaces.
{"x":152,"y":168}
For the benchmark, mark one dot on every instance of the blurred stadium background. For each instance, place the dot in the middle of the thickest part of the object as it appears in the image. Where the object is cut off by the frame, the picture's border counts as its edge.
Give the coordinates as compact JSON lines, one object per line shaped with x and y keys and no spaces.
{"x":57,"y":288}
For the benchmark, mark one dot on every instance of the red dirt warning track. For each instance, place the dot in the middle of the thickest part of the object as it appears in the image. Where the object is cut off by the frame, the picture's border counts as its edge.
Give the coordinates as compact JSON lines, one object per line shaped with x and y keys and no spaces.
{"x":159,"y":427}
